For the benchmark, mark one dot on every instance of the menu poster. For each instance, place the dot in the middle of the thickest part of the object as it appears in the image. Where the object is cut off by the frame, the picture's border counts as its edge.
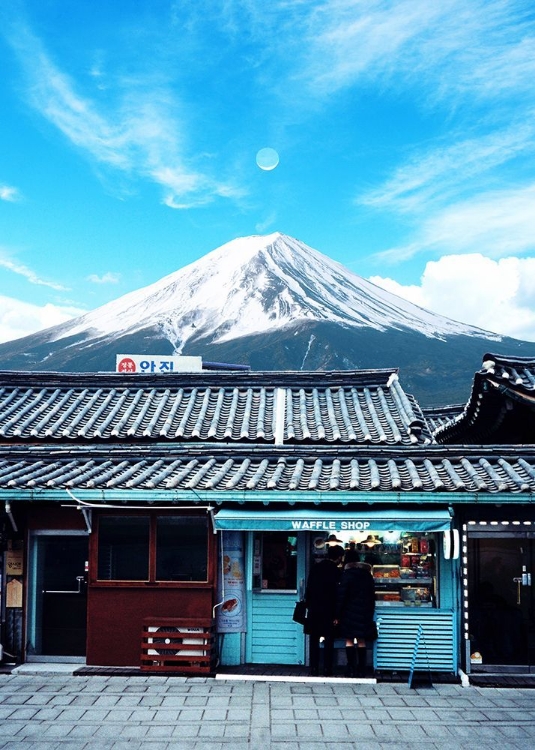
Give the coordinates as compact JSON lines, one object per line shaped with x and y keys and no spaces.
{"x":231,"y":612}
{"x":14,"y":558}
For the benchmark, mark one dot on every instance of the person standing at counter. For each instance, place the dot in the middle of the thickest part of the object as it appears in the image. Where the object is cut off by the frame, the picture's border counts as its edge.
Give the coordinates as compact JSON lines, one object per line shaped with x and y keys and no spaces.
{"x":355,"y":611}
{"x":320,"y":598}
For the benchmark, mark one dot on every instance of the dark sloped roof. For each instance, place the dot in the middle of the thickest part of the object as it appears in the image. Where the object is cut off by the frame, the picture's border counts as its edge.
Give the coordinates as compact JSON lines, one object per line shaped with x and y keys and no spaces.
{"x":518,"y":372}
{"x":358,"y":407}
{"x":501,"y":406}
{"x":265,"y":468}
{"x":437,"y":416}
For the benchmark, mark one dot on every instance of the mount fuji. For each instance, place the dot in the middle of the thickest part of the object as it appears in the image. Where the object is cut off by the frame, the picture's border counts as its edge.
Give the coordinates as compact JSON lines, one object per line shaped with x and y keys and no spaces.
{"x":271,"y":302}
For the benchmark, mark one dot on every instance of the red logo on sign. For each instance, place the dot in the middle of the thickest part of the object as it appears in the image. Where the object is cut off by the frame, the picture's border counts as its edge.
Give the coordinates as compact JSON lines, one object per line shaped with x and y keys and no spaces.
{"x":126,"y":365}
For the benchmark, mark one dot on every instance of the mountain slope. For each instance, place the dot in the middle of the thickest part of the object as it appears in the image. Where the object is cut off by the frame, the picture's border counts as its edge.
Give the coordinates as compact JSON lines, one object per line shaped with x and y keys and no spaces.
{"x":274,"y":303}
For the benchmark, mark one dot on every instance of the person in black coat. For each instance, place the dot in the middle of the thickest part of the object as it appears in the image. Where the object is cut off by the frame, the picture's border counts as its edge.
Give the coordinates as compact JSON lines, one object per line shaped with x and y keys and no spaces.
{"x":355,"y":611}
{"x":320,"y":598}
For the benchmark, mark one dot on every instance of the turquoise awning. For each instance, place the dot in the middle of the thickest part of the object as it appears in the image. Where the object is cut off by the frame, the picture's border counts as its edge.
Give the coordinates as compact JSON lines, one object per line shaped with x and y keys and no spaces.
{"x":332,"y":521}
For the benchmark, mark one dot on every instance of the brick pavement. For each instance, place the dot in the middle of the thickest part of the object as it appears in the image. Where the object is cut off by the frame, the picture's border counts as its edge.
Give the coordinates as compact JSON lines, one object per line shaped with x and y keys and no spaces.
{"x":65,"y":712}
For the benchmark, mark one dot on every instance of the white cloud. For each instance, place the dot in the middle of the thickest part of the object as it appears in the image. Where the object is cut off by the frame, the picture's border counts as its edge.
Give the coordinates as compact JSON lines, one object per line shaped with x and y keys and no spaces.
{"x":27,"y":273}
{"x":19,"y":319}
{"x":106,"y":278}
{"x":9,"y":193}
{"x":498,"y":222}
{"x":496,"y":295}
{"x":141,"y":133}
{"x":484,"y":48}
{"x":446,"y":168}
{"x":266,"y":223}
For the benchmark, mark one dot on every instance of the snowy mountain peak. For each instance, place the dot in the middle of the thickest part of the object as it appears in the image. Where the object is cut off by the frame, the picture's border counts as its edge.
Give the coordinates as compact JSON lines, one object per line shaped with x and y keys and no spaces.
{"x":253,"y":285}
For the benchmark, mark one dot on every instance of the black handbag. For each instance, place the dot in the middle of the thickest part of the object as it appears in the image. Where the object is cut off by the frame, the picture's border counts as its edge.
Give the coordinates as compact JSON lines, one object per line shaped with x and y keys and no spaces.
{"x":371,"y":632}
{"x":300,"y":612}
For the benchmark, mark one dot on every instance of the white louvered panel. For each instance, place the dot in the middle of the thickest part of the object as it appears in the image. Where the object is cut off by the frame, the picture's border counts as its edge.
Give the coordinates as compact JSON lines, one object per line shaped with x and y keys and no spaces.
{"x":397,"y":636}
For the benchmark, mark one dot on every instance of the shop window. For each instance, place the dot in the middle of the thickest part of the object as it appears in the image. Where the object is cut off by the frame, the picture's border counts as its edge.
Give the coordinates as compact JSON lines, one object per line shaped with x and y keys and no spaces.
{"x":152,"y":548}
{"x":275,"y":561}
{"x":403,"y":564}
{"x":181,"y":549}
{"x":123,"y":548}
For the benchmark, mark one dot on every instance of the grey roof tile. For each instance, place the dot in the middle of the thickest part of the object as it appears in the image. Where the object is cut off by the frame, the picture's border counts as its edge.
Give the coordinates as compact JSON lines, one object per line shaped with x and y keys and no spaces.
{"x":500,"y":408}
{"x":438,"y":416}
{"x":261,"y":468}
{"x":360,"y":407}
{"x":515,"y":371}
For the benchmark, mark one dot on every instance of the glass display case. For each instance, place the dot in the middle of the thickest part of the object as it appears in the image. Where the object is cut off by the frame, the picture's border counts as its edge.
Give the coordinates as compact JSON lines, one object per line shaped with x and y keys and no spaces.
{"x":403,"y":565}
{"x":405,"y":572}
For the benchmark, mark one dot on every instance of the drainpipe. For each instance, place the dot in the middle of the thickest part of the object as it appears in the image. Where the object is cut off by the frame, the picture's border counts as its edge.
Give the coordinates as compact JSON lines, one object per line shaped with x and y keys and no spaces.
{"x":9,"y":514}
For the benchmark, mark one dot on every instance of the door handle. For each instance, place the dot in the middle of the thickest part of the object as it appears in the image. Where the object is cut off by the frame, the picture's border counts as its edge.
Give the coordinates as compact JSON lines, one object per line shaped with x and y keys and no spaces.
{"x":70,"y":591}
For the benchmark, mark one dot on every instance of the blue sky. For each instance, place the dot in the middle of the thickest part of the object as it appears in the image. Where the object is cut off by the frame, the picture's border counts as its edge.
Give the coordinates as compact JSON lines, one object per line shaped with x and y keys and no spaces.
{"x":405,"y":132}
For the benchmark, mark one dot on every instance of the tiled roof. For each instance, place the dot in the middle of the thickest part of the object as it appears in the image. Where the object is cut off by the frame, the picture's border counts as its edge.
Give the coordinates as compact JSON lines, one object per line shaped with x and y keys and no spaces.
{"x":265,"y":468}
{"x":358,"y":407}
{"x":501,"y":406}
{"x":438,"y":416}
{"x":515,"y":372}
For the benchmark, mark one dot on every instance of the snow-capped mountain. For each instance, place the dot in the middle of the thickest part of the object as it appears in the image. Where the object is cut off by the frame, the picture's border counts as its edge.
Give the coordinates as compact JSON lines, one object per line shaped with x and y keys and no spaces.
{"x":256,"y":285}
{"x":274,"y":303}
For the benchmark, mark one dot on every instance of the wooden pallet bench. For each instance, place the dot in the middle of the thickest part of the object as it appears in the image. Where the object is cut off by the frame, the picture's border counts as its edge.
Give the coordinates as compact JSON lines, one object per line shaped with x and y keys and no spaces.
{"x":177,"y":644}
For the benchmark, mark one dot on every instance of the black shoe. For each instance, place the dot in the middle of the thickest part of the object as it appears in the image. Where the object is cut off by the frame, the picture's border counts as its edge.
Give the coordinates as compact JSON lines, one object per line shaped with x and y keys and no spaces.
{"x":351,"y":668}
{"x":361,"y":669}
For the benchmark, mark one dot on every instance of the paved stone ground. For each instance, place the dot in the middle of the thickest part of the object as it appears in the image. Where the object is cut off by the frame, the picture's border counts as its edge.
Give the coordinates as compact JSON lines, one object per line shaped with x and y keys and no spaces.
{"x":65,"y":712}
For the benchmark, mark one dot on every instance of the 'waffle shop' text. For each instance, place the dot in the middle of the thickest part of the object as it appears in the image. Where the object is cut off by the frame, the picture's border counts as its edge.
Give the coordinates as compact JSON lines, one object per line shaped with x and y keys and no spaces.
{"x":330,"y":525}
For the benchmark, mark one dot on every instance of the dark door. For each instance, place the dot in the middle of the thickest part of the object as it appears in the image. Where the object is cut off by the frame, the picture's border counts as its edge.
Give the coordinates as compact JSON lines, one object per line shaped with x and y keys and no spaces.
{"x":501,"y":602}
{"x":61,"y":595}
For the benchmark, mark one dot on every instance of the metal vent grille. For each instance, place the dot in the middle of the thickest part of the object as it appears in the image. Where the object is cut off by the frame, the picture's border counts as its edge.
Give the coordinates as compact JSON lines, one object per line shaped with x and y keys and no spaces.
{"x":397,"y":638}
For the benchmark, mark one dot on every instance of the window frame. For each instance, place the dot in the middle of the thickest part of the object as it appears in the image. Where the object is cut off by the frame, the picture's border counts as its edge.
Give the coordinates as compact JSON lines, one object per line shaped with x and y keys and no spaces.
{"x":260,"y":537}
{"x":152,"y":581}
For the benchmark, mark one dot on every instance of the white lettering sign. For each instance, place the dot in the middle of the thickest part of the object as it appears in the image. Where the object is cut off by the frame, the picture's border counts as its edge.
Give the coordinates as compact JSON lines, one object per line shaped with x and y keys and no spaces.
{"x":145,"y":363}
{"x":330,"y":525}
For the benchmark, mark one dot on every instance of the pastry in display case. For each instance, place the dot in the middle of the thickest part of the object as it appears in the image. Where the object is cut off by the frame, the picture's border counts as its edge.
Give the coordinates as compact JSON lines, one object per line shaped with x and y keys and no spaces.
{"x":386,"y":571}
{"x":404,"y":573}
{"x":403,"y":564}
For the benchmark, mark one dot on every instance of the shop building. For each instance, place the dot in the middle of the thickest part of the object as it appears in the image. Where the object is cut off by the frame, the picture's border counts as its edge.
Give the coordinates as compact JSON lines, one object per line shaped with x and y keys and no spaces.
{"x":177,"y":515}
{"x":497,"y":528}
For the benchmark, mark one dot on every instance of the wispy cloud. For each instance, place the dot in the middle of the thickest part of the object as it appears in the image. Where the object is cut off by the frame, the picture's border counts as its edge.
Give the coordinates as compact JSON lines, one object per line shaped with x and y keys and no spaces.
{"x":470,"y":187}
{"x":19,"y":319}
{"x":141,"y":133}
{"x":483,"y":48}
{"x":267,"y":222}
{"x":22,"y":270}
{"x":9,"y":194}
{"x":499,"y":222}
{"x":444,"y":169}
{"x":496,"y":295}
{"x":106,"y":278}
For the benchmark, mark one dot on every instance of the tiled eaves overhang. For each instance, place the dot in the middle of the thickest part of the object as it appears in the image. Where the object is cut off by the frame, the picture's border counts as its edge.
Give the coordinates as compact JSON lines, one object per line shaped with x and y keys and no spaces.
{"x":518,"y":372}
{"x":254,"y":469}
{"x":490,"y":401}
{"x":357,"y":407}
{"x":499,"y":381}
{"x":438,"y":416}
